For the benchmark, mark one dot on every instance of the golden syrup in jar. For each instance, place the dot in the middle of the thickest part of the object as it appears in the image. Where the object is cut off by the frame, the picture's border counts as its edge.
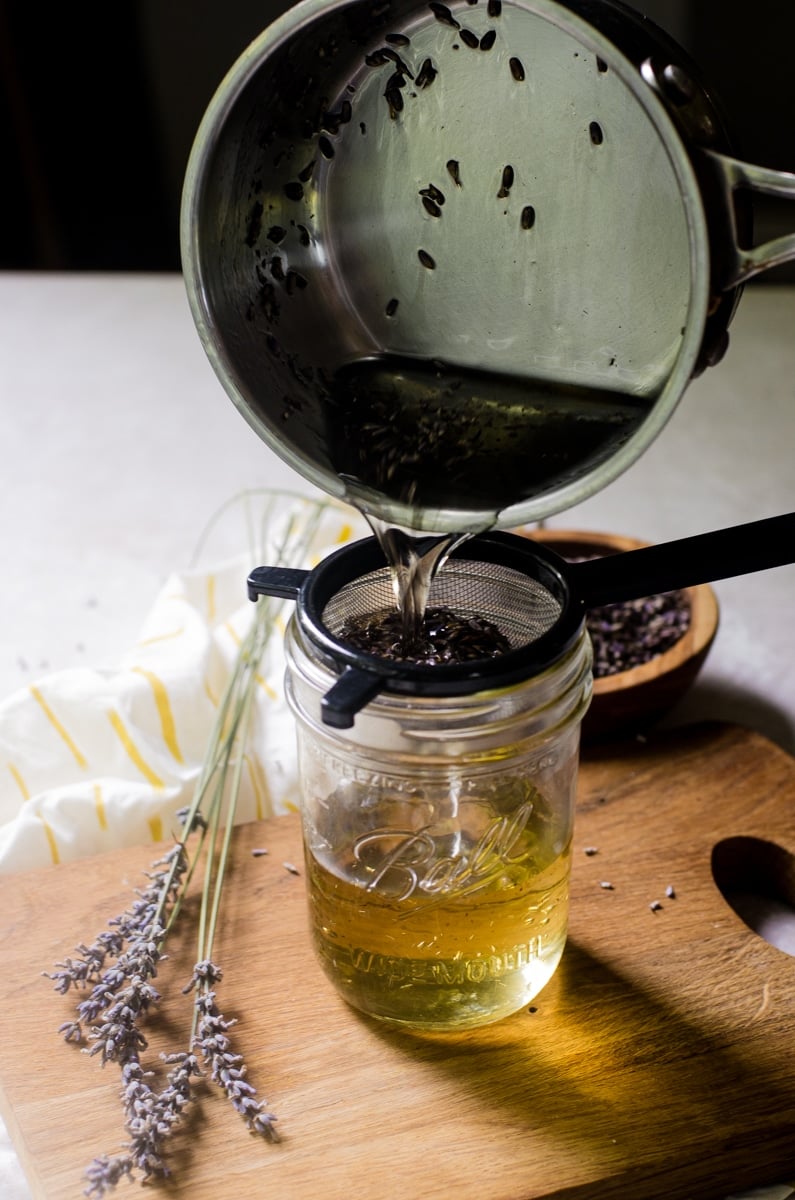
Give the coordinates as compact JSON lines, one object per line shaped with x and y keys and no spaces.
{"x":438,"y":929}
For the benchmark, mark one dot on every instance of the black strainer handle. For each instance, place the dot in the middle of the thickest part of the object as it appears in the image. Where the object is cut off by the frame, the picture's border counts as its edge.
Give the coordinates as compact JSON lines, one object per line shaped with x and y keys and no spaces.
{"x":283,"y":582}
{"x":633,"y":574}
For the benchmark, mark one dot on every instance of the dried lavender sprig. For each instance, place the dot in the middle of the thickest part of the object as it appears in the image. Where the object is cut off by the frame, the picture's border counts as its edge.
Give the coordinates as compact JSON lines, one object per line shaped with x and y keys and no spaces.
{"x":209,"y":1032}
{"x":123,"y":992}
{"x":227,"y":1068}
{"x":151,"y":1117}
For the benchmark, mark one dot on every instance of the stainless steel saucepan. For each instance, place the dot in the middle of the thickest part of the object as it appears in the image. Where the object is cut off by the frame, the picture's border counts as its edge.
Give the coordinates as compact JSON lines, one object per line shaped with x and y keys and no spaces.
{"x":458,"y":264}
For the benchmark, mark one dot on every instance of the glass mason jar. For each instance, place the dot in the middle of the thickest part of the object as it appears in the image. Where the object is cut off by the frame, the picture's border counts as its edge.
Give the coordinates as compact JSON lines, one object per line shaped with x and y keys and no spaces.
{"x":437,"y":837}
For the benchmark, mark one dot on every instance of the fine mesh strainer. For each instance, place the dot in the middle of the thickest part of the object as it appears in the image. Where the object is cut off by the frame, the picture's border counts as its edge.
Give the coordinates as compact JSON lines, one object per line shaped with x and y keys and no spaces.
{"x":522,"y":608}
{"x":536,"y":599}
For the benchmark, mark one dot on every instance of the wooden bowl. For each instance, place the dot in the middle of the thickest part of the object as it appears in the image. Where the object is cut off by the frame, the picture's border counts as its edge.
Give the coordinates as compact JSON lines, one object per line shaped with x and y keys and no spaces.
{"x":631,"y":700}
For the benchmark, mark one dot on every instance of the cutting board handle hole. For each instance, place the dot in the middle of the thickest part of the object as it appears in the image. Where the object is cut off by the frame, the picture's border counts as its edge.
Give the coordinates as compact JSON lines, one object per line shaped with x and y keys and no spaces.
{"x":757,"y":880}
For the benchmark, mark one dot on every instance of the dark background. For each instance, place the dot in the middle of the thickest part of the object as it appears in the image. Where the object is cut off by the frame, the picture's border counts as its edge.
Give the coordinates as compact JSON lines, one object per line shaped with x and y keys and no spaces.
{"x":99,"y":105}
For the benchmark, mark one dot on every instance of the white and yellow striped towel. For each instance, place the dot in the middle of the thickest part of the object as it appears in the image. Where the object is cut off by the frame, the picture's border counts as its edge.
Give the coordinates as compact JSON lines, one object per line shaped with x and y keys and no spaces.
{"x":95,"y":759}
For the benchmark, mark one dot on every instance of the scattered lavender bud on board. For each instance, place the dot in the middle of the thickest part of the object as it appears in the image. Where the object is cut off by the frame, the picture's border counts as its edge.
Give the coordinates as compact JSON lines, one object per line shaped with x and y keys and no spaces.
{"x":655,"y":906}
{"x":288,"y":866}
{"x":604,"y":883}
{"x":590,"y":851}
{"x":670,"y":892}
{"x":258,"y":852}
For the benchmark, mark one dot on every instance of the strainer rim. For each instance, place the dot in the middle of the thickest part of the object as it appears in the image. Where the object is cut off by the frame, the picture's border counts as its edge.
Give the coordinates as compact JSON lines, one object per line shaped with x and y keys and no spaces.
{"x":522,"y":554}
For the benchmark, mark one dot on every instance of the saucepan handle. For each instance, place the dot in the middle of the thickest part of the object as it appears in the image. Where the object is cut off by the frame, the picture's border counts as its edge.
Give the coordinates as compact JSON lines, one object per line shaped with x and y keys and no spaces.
{"x":705,"y":558}
{"x":730,"y":175}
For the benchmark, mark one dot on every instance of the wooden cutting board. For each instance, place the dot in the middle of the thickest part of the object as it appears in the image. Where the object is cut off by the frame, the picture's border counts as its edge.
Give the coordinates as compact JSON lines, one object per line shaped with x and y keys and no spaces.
{"x":658,"y":1063}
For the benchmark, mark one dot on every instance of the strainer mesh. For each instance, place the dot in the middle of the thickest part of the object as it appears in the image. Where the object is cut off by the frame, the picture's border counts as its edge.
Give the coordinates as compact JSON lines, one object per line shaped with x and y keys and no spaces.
{"x":521,"y":607}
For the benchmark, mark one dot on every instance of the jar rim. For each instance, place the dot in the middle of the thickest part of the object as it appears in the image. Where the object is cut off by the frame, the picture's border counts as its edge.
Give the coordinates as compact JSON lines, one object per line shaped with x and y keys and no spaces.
{"x":523,"y":709}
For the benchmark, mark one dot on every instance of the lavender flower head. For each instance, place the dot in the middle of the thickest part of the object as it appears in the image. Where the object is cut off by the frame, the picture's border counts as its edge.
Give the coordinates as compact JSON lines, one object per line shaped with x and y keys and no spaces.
{"x":150,"y":1118}
{"x":227,"y":1068}
{"x":140,"y":925}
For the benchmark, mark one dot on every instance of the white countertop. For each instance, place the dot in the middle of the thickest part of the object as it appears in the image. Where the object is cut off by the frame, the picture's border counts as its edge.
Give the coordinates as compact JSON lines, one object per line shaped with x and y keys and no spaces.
{"x":119,"y":444}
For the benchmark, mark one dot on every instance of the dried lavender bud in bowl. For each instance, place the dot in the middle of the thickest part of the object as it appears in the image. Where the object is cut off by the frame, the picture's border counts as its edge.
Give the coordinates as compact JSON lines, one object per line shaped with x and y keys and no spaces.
{"x":629,"y":634}
{"x":647,"y":652}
